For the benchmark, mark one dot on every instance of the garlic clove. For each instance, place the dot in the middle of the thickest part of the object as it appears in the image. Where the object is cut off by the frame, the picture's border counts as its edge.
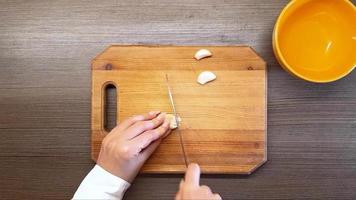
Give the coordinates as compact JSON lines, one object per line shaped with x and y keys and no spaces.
{"x":205,"y":77}
{"x":172,"y":121}
{"x":202,"y":53}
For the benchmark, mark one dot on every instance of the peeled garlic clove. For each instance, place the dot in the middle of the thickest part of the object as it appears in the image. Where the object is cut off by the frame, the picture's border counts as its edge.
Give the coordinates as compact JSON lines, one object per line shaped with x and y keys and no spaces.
{"x":172,"y":121}
{"x":202,"y":53}
{"x":205,"y":77}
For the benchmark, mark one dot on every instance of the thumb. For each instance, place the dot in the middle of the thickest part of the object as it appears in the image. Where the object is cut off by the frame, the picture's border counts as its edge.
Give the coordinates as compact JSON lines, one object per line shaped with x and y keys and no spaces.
{"x":192,"y":176}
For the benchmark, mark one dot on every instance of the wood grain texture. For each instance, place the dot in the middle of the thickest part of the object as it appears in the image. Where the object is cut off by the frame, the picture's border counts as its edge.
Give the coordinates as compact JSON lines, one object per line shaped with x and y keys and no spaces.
{"x":223,"y":123}
{"x":45,"y":53}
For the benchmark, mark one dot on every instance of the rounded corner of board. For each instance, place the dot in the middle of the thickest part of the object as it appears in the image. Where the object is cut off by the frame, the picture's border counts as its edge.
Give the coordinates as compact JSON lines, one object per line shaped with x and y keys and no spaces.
{"x":257,"y":166}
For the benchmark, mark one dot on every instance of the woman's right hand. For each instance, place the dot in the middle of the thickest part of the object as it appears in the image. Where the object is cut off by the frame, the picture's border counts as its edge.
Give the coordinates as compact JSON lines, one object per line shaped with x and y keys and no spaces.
{"x":189,"y":188}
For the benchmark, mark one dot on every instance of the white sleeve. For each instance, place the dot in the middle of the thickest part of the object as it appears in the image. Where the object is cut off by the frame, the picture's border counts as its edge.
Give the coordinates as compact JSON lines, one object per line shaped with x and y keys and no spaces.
{"x":100,"y":184}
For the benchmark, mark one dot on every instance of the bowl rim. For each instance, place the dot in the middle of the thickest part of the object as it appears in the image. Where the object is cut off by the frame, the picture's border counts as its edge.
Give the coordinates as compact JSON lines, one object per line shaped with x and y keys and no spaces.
{"x":281,"y":59}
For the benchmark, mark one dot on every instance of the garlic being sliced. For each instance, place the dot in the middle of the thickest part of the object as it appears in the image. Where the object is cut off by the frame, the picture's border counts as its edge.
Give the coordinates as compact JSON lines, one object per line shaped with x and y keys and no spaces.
{"x":172,"y":121}
{"x":205,"y":77}
{"x":202,"y":53}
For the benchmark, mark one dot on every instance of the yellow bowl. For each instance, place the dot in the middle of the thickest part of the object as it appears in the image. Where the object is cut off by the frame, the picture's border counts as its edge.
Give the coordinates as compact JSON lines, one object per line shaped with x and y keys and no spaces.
{"x":316,"y":39}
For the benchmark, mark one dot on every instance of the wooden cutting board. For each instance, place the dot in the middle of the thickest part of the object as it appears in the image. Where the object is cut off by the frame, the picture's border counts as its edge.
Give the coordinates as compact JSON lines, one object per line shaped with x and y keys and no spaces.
{"x":223,"y":122}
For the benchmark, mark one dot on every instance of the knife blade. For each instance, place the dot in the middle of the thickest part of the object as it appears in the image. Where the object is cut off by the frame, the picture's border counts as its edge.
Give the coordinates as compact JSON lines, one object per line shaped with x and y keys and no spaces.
{"x":170,"y":95}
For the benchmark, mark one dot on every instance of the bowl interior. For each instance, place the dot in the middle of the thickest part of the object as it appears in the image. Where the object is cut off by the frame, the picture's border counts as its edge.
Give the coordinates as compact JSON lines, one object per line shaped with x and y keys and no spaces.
{"x":317,"y":39}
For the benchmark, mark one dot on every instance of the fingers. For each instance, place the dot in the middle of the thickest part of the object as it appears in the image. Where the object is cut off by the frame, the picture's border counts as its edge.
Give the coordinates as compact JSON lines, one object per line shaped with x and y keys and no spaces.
{"x":179,"y":193}
{"x":132,"y":120}
{"x":206,"y":189}
{"x":178,"y":196}
{"x":192,"y":176}
{"x":145,"y":139}
{"x":217,"y":196}
{"x":146,"y":153}
{"x":167,"y":132}
{"x":190,"y":189}
{"x":141,"y":126}
{"x":181,"y":184}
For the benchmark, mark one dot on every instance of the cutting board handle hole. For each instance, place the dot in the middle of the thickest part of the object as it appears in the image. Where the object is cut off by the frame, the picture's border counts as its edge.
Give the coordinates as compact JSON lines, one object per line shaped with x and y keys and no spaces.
{"x":110,"y":107}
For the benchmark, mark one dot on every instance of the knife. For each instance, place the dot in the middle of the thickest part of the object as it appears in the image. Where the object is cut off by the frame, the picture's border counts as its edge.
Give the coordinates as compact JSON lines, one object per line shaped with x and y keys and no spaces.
{"x":176,"y":119}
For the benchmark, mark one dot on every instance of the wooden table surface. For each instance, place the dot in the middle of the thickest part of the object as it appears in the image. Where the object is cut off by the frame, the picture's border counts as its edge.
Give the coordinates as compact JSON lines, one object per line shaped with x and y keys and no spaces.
{"x":45,"y":53}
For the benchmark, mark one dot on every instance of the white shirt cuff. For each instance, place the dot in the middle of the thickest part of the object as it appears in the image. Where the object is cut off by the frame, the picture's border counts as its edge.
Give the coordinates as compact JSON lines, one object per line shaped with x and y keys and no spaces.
{"x":101,"y":184}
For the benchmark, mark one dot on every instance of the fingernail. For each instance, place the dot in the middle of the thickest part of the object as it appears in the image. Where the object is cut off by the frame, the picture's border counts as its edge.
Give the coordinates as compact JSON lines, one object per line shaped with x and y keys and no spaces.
{"x":154,"y":112}
{"x":194,"y":165}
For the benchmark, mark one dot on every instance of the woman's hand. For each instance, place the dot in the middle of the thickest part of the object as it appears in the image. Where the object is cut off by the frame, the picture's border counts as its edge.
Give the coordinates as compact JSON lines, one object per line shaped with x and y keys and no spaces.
{"x":126,"y":148}
{"x":189,"y":188}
